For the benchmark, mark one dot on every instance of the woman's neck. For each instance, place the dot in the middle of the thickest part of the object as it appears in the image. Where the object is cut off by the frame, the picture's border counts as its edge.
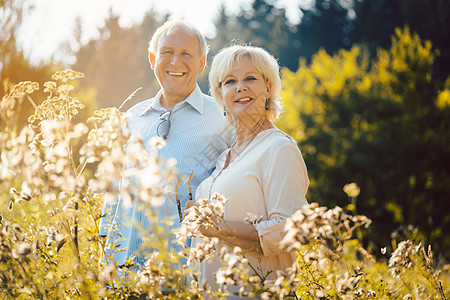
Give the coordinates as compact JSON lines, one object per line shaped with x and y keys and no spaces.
{"x":246,"y":132}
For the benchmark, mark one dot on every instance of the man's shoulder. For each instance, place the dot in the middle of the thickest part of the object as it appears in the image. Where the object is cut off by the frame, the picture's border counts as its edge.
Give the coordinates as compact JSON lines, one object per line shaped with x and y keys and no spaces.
{"x":210,"y":105}
{"x":208,"y":99}
{"x":139,"y":108}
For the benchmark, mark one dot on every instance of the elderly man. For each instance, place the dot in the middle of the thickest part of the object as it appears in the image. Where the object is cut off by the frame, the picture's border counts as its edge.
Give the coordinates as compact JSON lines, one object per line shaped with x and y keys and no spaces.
{"x":194,"y":129}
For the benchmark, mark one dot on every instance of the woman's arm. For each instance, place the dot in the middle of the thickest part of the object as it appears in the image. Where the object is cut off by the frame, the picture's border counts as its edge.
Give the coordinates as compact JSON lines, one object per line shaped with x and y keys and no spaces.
{"x":232,"y":233}
{"x":239,"y":234}
{"x":285,"y":183}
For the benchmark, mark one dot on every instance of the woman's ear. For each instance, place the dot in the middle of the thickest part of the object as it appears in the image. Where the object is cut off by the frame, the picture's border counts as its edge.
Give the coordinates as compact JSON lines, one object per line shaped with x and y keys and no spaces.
{"x":268,"y":90}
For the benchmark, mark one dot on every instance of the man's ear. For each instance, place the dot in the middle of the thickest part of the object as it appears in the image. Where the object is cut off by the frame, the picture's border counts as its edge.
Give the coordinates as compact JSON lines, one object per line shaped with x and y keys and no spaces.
{"x":202,"y":65}
{"x":151,"y":59}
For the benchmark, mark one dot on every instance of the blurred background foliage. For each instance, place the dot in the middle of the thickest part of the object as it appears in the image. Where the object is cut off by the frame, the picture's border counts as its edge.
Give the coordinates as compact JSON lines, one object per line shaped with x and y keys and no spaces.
{"x":366,"y":90}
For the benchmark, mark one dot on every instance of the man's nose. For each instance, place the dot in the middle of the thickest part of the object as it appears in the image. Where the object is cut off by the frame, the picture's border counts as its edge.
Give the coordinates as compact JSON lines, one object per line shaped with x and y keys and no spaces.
{"x":175,"y":59}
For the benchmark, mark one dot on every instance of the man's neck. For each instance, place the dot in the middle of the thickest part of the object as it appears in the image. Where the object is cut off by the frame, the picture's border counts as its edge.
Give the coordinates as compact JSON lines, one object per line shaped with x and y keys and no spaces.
{"x":168,"y":101}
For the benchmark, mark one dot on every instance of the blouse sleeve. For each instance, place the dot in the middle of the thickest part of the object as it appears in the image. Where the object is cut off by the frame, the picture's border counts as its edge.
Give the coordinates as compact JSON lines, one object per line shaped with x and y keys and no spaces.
{"x":285,"y":183}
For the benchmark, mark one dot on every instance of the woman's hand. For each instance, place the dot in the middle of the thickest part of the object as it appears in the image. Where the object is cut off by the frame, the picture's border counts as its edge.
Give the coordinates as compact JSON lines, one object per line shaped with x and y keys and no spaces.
{"x":232,"y":233}
{"x":209,"y":231}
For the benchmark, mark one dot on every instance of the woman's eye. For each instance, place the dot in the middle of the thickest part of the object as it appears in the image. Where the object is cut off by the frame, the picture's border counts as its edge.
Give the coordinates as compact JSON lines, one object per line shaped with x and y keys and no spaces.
{"x":229,"y":81}
{"x":250,"y":78}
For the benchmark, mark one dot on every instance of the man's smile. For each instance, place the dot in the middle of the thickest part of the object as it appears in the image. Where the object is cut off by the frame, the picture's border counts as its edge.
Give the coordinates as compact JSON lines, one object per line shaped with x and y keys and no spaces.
{"x":176,"y":73}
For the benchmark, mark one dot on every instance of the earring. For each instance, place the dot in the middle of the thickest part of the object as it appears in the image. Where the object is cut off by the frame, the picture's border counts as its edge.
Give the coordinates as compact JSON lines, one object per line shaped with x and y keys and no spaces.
{"x":267,"y":104}
{"x":224,"y":111}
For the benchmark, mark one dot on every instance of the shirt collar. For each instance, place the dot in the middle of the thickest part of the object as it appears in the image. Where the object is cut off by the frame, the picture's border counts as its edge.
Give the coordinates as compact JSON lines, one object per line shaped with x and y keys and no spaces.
{"x":195,"y":99}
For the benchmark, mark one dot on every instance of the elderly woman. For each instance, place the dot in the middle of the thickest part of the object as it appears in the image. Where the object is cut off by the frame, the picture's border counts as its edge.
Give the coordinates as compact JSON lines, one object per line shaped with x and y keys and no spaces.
{"x":263,"y":173}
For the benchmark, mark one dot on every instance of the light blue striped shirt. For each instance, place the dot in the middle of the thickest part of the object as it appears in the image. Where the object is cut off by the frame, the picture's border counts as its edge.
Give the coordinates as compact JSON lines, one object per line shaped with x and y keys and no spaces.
{"x":199,"y":133}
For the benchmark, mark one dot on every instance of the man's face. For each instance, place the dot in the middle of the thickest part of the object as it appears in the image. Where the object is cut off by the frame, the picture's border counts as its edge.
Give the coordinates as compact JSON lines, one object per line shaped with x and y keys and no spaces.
{"x":177,"y":63}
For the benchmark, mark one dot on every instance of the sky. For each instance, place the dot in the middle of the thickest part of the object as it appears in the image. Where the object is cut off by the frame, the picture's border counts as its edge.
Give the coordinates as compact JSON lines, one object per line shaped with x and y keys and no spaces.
{"x":51,"y":22}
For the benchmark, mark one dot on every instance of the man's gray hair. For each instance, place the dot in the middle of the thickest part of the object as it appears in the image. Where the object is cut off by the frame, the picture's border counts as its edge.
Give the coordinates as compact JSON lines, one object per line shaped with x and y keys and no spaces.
{"x":170,"y":27}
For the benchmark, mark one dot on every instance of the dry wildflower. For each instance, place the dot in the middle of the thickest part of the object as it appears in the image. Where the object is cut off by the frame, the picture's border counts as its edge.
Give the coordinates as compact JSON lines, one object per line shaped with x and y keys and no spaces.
{"x":151,"y":273}
{"x":284,"y":285}
{"x":428,"y":255}
{"x":234,"y":266}
{"x":157,"y":143}
{"x":13,"y":242}
{"x":131,"y":96}
{"x":218,"y":202}
{"x":313,"y":223}
{"x":8,"y":109}
{"x":123,"y":158}
{"x":21,"y":250}
{"x":23,"y":88}
{"x":191,"y":223}
{"x":17,"y":159}
{"x":59,"y":105}
{"x":347,"y":283}
{"x":67,"y":75}
{"x":351,"y":189}
{"x":62,"y":107}
{"x":401,"y":258}
{"x":252,"y":219}
{"x":318,"y":294}
{"x":203,"y":250}
{"x":106,"y":273}
{"x":50,"y":87}
{"x":100,"y":115}
{"x":204,"y":213}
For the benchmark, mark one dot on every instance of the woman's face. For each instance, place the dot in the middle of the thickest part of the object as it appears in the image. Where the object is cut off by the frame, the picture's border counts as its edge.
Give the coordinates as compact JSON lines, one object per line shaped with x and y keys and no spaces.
{"x":244,"y":92}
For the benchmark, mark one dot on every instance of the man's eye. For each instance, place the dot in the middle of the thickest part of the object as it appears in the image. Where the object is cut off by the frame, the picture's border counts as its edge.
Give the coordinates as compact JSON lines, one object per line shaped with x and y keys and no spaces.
{"x":229,"y":81}
{"x":186,"y":54}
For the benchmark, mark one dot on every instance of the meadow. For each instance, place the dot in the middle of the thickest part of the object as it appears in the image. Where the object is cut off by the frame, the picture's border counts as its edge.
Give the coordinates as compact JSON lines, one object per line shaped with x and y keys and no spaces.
{"x":56,"y":173}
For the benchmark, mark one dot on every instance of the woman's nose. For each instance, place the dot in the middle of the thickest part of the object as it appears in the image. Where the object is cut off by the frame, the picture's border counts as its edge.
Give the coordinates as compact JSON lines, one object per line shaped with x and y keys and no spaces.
{"x":241,"y":87}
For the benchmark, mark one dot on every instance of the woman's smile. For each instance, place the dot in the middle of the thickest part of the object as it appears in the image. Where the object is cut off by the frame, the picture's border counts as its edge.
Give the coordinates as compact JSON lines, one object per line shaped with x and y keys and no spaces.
{"x":244,"y":100}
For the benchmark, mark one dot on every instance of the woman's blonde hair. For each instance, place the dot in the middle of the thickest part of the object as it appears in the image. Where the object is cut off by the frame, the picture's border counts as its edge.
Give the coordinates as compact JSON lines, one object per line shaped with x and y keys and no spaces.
{"x":264,"y":62}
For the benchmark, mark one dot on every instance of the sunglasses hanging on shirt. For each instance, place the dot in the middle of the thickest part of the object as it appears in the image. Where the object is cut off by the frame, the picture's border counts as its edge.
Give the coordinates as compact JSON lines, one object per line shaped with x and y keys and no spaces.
{"x":178,"y":198}
{"x":164,"y":127}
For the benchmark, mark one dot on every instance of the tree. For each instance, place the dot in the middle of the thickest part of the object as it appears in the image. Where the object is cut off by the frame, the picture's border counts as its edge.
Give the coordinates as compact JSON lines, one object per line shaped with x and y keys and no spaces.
{"x":324,"y":26}
{"x":117,"y":63}
{"x":264,"y":26}
{"x":376,"y":20}
{"x":15,"y":67}
{"x":379,"y":123}
{"x":10,"y":21}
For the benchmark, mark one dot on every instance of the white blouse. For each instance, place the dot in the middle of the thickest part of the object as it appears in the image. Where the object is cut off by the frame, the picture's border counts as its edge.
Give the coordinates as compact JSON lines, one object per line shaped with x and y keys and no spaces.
{"x":269,"y":179}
